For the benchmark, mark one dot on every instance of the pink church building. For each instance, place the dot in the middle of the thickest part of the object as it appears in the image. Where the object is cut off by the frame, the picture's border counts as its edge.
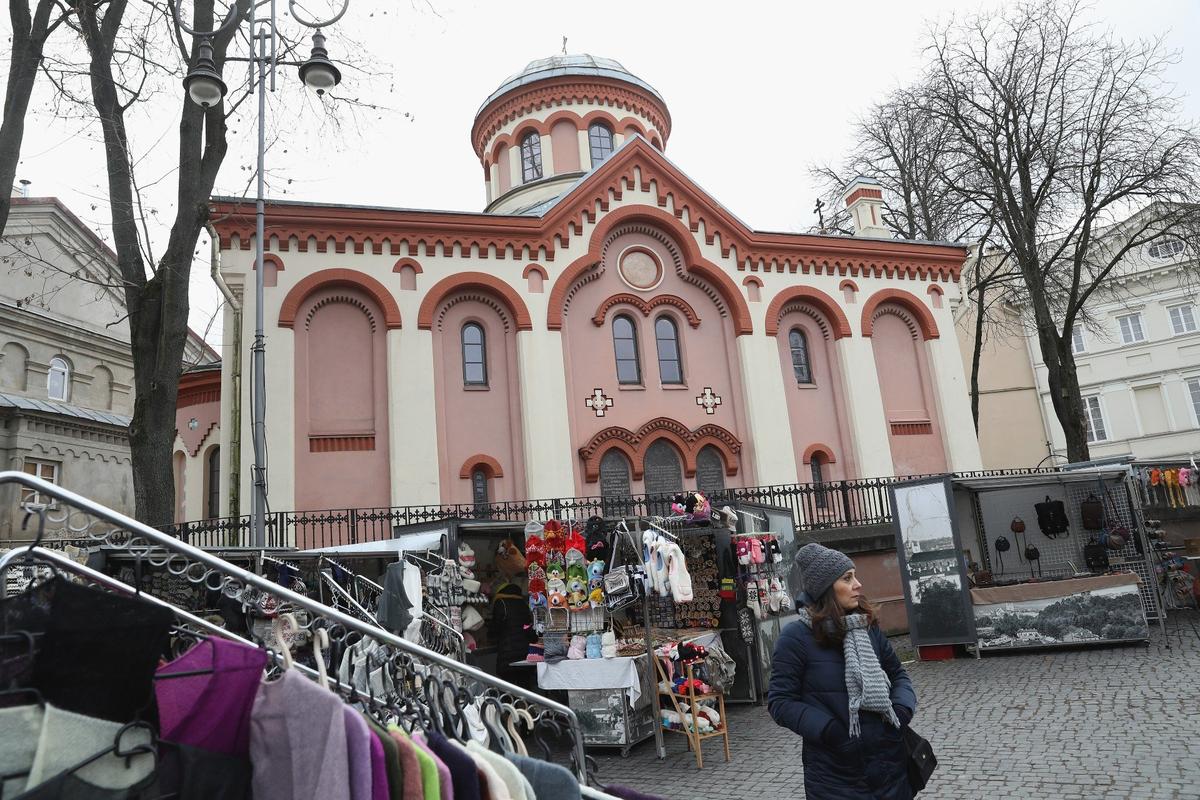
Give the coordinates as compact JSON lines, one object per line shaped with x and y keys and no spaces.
{"x":602,"y":327}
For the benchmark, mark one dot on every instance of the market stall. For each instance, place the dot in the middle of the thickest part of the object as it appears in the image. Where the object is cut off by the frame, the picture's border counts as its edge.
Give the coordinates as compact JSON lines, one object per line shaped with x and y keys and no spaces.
{"x":1024,"y":561}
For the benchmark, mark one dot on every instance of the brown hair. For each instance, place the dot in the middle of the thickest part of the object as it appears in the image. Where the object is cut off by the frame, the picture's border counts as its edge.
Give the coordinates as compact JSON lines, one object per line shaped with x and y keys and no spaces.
{"x":829,"y":619}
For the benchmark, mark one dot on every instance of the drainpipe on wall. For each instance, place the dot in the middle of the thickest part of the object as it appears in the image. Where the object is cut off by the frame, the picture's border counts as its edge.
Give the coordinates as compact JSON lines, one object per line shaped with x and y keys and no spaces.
{"x":235,"y":400}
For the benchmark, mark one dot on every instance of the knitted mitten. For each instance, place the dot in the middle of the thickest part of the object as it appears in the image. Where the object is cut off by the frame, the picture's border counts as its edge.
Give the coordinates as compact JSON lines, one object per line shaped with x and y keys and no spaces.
{"x":764,"y":598}
{"x":773,"y":592}
{"x":752,"y":599}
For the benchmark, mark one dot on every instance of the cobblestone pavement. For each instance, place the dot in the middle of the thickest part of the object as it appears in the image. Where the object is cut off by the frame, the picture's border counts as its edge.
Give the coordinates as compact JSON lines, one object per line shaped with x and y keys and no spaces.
{"x":1095,"y":724}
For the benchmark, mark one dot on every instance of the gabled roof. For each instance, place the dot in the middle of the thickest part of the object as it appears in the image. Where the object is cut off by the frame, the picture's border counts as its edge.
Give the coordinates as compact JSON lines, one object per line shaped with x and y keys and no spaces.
{"x":636,"y":165}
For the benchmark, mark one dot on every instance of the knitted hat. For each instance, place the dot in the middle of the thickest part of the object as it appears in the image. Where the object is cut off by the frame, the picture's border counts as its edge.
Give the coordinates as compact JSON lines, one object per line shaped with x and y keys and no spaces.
{"x":820,"y":567}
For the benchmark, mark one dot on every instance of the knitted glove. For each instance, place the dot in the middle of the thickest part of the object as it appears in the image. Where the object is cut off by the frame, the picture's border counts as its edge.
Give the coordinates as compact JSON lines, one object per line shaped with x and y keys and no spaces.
{"x":903,"y":713}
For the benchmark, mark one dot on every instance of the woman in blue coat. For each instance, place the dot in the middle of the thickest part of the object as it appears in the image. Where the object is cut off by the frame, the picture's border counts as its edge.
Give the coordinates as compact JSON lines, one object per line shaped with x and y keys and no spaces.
{"x":836,"y":682}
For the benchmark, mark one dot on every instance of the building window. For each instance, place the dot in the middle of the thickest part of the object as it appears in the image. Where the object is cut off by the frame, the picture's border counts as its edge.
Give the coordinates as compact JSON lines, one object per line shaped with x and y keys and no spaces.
{"x":801,"y":366}
{"x":479,"y":488}
{"x":710,"y":471}
{"x":1183,"y":319}
{"x":58,"y":380}
{"x":1131,"y":328}
{"x":625,"y":348}
{"x":213,"y":469}
{"x":600,"y":139}
{"x":47,"y":471}
{"x":1193,"y":385}
{"x":1167,"y":248}
{"x":474,"y":355}
{"x":1096,"y":431}
{"x":818,"y":478}
{"x":531,"y":158}
{"x":666,"y":337}
{"x":1078,"y":345}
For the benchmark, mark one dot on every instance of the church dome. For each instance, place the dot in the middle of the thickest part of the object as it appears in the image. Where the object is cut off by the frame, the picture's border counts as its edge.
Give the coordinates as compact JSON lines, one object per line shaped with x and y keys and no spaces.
{"x":557,"y":66}
{"x":557,"y":119}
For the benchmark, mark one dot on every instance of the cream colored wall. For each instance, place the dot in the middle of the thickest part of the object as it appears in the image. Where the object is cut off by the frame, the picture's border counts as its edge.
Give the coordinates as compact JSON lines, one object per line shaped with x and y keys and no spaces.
{"x":1011,"y":433}
{"x":1116,"y":372}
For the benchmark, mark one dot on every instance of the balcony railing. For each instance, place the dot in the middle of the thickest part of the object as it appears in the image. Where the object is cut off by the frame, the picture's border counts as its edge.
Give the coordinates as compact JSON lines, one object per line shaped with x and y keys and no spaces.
{"x":814,"y":506}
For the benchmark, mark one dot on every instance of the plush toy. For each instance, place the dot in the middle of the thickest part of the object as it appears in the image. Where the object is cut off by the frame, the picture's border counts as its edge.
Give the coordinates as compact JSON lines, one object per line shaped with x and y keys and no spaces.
{"x":692,"y":505}
{"x":555,"y":571}
{"x":509,"y":561}
{"x":596,"y":595}
{"x":577,"y":594}
{"x":537,"y":600}
{"x":577,"y":572}
{"x":595,"y":570}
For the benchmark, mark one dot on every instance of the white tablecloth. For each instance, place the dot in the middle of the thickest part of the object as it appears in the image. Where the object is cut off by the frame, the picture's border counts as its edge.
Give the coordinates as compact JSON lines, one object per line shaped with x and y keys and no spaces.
{"x":605,"y":673}
{"x":593,"y":673}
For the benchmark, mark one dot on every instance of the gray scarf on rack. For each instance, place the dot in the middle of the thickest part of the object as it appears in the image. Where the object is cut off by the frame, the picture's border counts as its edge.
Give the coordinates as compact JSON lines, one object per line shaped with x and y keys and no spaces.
{"x":867,"y":684}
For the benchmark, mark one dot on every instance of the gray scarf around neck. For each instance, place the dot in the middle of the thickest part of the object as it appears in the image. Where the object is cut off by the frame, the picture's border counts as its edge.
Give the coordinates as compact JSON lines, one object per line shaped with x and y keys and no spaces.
{"x":867,"y":685}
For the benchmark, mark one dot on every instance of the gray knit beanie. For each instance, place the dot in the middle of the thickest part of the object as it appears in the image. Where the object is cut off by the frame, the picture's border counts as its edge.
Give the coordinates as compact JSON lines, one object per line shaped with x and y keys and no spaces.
{"x":820,"y":567}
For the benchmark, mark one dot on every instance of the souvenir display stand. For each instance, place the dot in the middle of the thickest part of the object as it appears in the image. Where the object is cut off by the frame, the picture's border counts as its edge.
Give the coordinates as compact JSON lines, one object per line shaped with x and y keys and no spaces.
{"x":427,"y":692}
{"x":1054,"y":559}
{"x":690,"y":713}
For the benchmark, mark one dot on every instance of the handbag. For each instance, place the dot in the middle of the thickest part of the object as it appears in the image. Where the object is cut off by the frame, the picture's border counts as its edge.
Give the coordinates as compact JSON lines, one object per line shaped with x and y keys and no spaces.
{"x":1091,"y":511}
{"x":921,"y":759}
{"x":622,"y":584}
{"x":1052,"y":517}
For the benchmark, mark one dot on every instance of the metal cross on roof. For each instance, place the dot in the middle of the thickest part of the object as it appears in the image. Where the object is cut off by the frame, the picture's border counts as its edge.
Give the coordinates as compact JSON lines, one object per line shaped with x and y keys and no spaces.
{"x":709,"y":399}
{"x":599,"y":402}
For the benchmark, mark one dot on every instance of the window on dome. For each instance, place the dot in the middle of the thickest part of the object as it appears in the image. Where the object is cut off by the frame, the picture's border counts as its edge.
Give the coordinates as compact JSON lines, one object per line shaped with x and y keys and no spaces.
{"x":600,"y":138}
{"x":531,"y":158}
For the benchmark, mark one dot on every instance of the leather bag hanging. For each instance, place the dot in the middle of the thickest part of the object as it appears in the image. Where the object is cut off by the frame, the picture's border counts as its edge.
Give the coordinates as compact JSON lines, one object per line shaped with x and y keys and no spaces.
{"x":1002,"y":546}
{"x":921,"y":759}
{"x":1017,"y":525}
{"x":1052,"y":517}
{"x":1091,"y":511}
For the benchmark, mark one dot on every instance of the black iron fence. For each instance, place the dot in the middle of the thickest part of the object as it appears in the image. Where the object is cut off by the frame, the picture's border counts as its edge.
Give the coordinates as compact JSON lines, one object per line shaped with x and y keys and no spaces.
{"x":814,"y":506}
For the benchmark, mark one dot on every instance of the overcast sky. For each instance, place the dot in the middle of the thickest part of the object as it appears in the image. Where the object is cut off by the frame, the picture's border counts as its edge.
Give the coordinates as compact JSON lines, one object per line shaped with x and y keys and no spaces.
{"x":755,"y":97}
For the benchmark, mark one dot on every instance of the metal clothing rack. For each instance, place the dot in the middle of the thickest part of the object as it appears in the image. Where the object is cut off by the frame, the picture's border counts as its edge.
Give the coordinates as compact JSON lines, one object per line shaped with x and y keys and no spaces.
{"x":76,"y":518}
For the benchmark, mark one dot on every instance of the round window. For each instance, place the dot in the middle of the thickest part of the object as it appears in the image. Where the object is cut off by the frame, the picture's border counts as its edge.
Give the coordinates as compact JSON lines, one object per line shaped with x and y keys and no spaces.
{"x":640,"y":268}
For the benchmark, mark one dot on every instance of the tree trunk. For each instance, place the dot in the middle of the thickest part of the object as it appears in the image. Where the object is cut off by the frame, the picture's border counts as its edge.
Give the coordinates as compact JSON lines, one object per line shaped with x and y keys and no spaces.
{"x":1063,"y":380}
{"x":29,"y":34}
{"x":977,"y":354}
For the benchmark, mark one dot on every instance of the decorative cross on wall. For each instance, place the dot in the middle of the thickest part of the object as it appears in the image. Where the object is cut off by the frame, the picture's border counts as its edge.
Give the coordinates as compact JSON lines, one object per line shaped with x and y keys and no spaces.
{"x":709,"y":400}
{"x":600,"y":403}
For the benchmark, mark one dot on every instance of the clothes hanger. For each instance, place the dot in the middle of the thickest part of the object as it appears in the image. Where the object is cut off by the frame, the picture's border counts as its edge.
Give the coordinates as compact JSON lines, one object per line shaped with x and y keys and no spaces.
{"x":320,"y":645}
{"x":498,"y":741}
{"x":512,"y":715}
{"x":281,"y":622}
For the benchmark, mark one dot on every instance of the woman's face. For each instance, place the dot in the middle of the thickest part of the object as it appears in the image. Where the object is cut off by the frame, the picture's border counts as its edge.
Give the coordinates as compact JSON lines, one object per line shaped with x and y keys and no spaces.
{"x":847,"y":590}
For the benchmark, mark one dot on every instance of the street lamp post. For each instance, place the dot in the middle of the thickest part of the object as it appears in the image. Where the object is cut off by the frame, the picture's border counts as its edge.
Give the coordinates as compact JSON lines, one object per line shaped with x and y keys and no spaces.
{"x":204,"y":86}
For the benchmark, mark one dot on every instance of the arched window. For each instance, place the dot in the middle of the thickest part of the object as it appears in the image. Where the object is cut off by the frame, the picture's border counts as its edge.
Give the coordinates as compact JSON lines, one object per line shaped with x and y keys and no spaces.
{"x":531,"y":158}
{"x":474,"y":355}
{"x":663,"y":469}
{"x":666,"y":337}
{"x":615,"y":486}
{"x":710,"y":471}
{"x":801,"y":365}
{"x":625,"y":348}
{"x":213,"y":470}
{"x":818,"y":477}
{"x":58,"y":379}
{"x":600,"y":139}
{"x":479,"y":488}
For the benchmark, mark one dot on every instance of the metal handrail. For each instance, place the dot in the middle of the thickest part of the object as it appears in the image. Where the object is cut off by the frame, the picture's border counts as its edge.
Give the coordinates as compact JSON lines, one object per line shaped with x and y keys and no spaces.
{"x":180,"y":558}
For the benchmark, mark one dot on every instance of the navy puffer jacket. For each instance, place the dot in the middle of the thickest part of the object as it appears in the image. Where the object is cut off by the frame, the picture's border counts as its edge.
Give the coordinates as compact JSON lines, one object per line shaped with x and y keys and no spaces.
{"x":808,"y":692}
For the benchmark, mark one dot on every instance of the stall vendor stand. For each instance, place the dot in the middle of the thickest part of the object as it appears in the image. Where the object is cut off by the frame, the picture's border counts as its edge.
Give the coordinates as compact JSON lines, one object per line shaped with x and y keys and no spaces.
{"x":1024,"y":561}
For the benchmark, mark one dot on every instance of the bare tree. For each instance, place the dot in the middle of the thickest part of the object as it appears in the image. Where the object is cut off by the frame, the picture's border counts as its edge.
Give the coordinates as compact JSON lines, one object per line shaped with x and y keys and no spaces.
{"x":30,"y":30}
{"x":899,"y":145}
{"x":930,"y":194}
{"x":1070,"y":132}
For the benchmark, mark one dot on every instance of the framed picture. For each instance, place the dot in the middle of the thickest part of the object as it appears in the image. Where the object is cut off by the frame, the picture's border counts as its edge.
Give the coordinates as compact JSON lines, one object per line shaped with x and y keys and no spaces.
{"x":937,"y":594}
